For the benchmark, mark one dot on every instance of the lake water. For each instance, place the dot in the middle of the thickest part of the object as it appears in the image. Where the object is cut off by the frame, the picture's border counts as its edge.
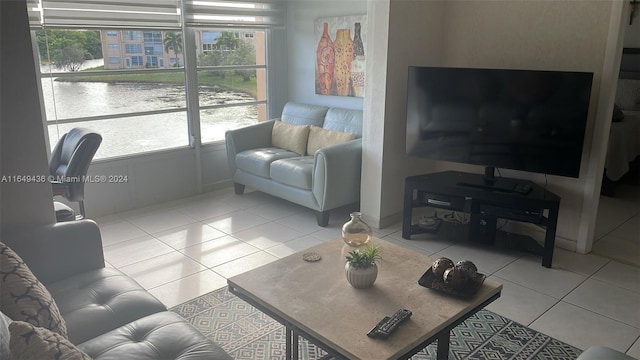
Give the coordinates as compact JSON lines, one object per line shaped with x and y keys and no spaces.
{"x":128,"y":135}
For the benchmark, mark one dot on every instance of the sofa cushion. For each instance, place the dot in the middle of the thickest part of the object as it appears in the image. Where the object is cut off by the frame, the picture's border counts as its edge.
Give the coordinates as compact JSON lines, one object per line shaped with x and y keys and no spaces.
{"x":320,"y":138}
{"x":30,"y":342}
{"x":344,"y":120}
{"x":258,"y":161}
{"x":290,"y":137}
{"x":23,"y":297}
{"x":295,"y":171}
{"x":303,"y":114}
{"x":101,"y":300}
{"x":163,"y":335}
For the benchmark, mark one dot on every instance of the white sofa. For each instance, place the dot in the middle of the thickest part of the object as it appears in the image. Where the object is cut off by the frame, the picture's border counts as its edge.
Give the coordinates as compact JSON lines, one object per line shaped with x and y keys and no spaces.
{"x":323,"y":180}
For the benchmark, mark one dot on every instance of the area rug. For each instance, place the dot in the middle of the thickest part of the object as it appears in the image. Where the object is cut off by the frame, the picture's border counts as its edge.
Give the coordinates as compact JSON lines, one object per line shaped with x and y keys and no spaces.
{"x":247,"y":333}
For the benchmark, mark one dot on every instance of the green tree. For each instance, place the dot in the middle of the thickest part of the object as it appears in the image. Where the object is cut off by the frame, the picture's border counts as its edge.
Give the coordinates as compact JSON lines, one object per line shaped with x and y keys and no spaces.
{"x":93,"y":44}
{"x":210,"y":59}
{"x":70,"y":57}
{"x":244,"y":54}
{"x":227,"y":41}
{"x":51,"y":42}
{"x":173,"y":41}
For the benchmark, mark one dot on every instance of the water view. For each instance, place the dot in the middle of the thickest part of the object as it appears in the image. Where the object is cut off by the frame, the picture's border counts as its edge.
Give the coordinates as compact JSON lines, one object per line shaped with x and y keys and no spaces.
{"x":122,"y":136}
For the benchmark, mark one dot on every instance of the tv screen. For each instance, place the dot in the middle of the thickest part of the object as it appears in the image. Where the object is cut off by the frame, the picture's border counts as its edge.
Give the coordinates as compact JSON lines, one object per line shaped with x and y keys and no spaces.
{"x":517,"y":119}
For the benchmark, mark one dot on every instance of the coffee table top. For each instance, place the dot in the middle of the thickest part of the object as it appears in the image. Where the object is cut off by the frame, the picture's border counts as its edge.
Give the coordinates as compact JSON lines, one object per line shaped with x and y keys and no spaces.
{"x":316,"y":298}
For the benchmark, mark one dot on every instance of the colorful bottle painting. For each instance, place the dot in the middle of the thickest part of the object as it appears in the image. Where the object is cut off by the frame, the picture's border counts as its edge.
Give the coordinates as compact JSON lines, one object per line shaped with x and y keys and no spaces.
{"x":325,"y":63}
{"x":358,"y":64}
{"x":344,"y":57}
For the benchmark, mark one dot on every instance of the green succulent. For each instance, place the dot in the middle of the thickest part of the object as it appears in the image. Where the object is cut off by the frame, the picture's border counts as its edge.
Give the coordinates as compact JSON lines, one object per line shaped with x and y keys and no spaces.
{"x":364,"y":258}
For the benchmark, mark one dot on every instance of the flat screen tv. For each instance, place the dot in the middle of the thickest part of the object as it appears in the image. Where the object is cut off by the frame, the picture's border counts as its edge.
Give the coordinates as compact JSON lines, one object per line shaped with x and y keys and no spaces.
{"x":525,"y":120}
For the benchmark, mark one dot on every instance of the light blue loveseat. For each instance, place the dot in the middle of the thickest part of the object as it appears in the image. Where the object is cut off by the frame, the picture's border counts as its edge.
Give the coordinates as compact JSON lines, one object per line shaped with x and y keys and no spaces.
{"x":325,"y":180}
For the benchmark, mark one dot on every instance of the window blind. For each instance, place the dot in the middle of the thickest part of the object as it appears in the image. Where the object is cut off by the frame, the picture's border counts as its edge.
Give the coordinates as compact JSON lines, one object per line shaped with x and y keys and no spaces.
{"x":87,"y":14}
{"x":235,"y":13}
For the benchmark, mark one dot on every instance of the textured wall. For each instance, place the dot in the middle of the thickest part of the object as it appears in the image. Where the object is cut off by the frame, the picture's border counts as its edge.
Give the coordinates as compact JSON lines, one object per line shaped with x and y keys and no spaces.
{"x":559,"y":35}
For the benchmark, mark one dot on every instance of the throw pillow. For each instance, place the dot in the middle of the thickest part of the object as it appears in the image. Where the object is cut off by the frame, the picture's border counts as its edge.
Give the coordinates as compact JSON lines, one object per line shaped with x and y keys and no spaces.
{"x":290,"y":137}
{"x":30,"y":342}
{"x":320,"y":138}
{"x":23,"y":297}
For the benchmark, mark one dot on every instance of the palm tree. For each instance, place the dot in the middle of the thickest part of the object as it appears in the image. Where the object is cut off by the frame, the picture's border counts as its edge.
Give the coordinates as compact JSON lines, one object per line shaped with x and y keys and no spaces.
{"x":227,"y":41}
{"x":173,"y":41}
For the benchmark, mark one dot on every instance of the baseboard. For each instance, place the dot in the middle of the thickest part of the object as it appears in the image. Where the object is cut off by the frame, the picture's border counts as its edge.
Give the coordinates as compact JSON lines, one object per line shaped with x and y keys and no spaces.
{"x":381,"y":223}
{"x":217,"y":186}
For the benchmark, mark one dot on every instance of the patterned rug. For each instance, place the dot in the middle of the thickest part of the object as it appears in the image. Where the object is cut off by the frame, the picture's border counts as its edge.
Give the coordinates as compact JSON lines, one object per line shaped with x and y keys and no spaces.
{"x":246,"y":333}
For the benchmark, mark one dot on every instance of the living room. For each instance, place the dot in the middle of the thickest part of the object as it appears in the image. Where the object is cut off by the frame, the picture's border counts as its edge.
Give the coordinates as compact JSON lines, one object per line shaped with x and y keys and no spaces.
{"x":537,"y":35}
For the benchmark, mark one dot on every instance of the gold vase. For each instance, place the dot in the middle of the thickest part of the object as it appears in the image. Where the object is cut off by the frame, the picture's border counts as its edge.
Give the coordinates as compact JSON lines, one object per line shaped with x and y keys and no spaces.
{"x":356,"y":232}
{"x":343,"y":46}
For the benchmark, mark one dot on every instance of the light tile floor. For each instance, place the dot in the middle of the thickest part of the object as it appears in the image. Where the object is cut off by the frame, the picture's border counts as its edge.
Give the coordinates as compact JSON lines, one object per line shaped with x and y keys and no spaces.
{"x":183,"y":249}
{"x":618,"y":226}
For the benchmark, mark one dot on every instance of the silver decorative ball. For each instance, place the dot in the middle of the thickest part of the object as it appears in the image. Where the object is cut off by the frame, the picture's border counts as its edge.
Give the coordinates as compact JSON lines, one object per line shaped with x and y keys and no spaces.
{"x":468,"y":268}
{"x":454,"y":278}
{"x":440,"y":265}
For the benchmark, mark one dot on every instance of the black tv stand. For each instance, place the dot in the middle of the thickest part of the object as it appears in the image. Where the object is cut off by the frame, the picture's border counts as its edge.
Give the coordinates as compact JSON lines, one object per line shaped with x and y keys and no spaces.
{"x":466,"y":192}
{"x":497,"y":185}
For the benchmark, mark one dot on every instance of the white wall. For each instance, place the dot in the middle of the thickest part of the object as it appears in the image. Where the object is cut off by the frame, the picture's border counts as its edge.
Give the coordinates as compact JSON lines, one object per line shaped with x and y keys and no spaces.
{"x":560,"y":35}
{"x":23,"y":205}
{"x":301,"y":49}
{"x":154,"y":178}
{"x":632,"y":31}
{"x":403,"y":33}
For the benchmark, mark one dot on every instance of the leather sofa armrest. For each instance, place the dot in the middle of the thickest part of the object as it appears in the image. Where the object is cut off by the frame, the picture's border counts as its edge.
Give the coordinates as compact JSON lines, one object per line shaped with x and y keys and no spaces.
{"x":58,"y":251}
{"x":245,"y":138}
{"x":336,"y":174}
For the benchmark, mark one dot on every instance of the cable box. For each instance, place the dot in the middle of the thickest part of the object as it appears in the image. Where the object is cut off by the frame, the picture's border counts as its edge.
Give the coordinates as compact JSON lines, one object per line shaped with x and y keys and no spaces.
{"x":511,"y":213}
{"x":441,"y":201}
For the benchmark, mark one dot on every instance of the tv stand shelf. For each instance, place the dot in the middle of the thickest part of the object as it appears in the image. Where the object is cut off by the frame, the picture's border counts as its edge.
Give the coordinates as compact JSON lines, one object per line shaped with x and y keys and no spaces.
{"x":443,"y":190}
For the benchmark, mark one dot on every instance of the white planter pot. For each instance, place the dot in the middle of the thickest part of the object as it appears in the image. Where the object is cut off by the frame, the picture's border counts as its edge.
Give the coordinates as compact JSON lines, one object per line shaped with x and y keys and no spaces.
{"x":361,"y":278}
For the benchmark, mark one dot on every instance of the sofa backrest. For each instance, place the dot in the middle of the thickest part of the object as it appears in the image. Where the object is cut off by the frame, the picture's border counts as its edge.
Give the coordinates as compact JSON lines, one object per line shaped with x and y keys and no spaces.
{"x":329,"y":118}
{"x":344,"y":120}
{"x":304,"y":114}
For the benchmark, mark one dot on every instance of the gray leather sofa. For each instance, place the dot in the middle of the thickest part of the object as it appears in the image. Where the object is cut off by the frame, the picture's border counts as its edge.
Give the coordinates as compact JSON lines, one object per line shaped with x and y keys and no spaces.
{"x":107,"y":314}
{"x":325,"y":180}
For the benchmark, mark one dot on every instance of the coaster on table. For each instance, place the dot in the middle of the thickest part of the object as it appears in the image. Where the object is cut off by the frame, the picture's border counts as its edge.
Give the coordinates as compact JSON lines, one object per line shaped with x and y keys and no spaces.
{"x":311,"y":257}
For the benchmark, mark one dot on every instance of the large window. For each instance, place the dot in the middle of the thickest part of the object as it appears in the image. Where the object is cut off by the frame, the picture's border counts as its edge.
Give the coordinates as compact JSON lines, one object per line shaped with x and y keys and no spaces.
{"x":137,"y":61}
{"x":133,"y":48}
{"x":134,"y":109}
{"x":232,"y":81}
{"x":132,"y":35}
{"x":134,"y":101}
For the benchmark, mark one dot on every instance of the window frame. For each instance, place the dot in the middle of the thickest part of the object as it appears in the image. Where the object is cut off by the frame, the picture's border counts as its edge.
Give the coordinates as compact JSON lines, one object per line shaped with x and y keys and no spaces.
{"x":144,"y":35}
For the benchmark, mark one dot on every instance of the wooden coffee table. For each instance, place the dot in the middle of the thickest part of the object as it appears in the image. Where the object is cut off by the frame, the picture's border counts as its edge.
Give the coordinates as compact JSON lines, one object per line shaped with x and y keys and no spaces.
{"x":314,"y":300}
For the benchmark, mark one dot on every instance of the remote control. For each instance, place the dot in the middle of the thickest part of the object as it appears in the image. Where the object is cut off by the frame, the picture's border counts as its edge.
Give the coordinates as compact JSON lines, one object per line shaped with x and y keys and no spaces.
{"x":388,"y":325}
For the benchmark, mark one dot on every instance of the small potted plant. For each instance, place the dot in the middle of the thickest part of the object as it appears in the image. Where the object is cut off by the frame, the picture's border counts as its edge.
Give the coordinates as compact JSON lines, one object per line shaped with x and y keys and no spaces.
{"x":361,"y":267}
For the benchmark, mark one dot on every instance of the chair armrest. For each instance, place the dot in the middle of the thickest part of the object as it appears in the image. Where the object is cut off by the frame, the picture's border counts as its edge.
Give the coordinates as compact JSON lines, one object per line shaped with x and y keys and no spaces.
{"x":336,"y":174}
{"x":245,"y":138}
{"x":55,"y":252}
